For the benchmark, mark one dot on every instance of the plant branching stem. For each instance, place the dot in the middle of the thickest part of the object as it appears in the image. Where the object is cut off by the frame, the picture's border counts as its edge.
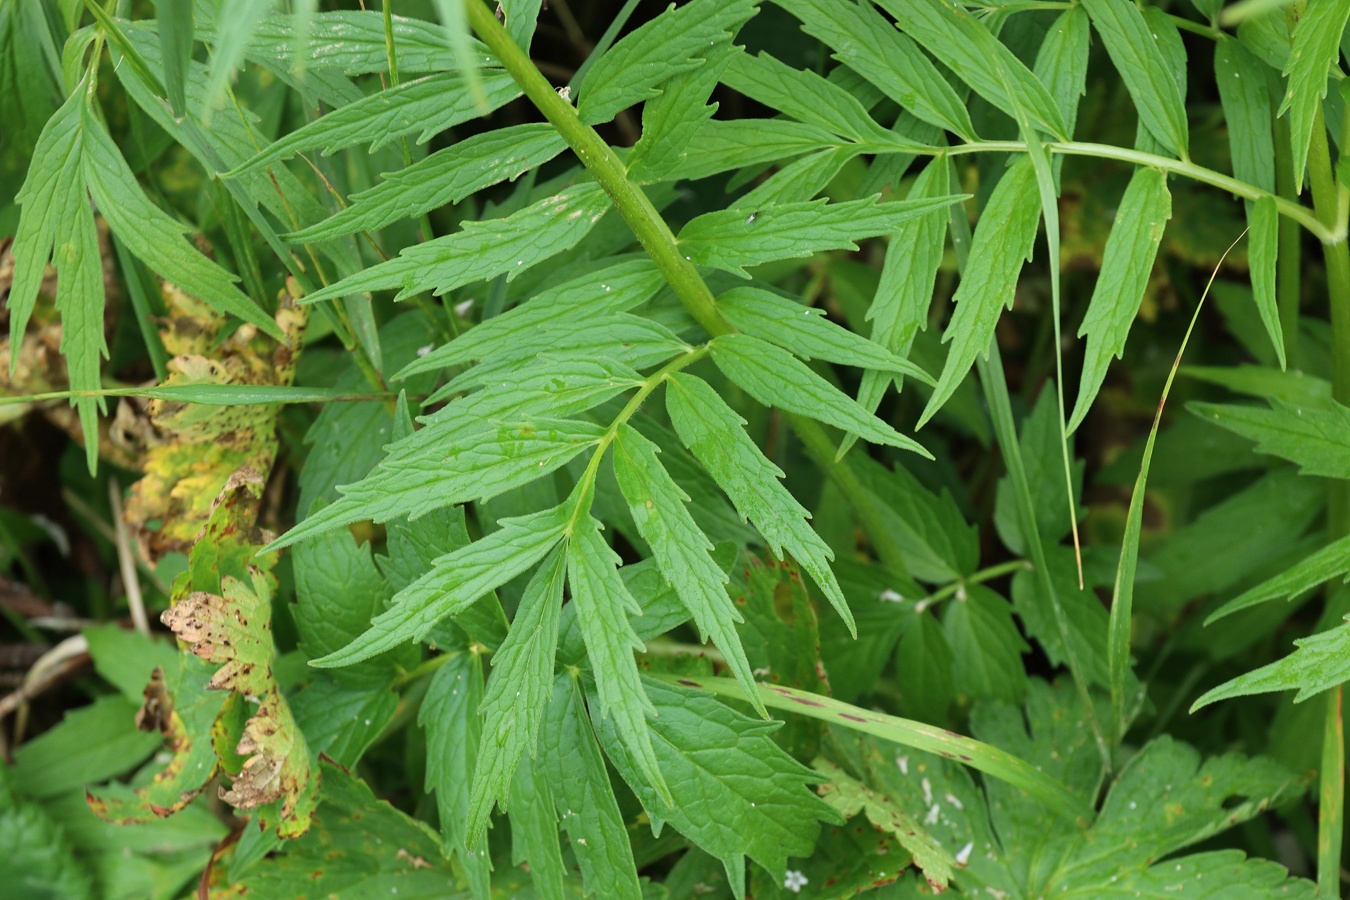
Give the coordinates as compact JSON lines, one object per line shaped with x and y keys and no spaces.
{"x":660,"y":244}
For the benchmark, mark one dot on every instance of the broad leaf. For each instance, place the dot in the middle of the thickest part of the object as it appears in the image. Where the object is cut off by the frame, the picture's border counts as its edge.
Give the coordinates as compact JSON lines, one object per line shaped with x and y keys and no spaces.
{"x":672,"y":119}
{"x":986,"y":646}
{"x":725,"y":145}
{"x":1245,"y":95}
{"x":1316,"y":48}
{"x":1321,"y":661}
{"x":737,"y":793}
{"x":712,"y":431}
{"x":1316,"y":438}
{"x":1321,"y":566}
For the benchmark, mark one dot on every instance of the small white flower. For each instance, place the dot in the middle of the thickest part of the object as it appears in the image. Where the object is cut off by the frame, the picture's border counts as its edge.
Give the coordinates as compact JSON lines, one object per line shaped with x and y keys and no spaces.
{"x":794,"y":881}
{"x":565,"y":92}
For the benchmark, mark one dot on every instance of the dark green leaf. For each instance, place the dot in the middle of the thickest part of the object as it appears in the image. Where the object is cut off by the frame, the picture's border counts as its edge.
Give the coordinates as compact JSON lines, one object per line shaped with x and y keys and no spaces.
{"x":1316,"y":438}
{"x":1325,"y":564}
{"x":1316,"y":48}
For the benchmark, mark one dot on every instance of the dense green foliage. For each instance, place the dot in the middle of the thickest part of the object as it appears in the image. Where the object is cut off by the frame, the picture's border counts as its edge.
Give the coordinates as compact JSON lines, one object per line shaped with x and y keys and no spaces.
{"x":732,"y":449}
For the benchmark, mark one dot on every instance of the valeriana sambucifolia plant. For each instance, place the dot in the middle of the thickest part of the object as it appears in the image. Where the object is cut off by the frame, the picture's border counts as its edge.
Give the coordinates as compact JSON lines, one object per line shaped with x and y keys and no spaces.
{"x":588,"y":576}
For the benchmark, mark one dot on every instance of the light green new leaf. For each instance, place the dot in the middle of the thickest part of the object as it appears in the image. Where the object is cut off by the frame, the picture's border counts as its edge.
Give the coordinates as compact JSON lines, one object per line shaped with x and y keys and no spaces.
{"x":427,"y":106}
{"x":455,"y":581}
{"x":723,"y":145}
{"x":680,"y":548}
{"x":1003,"y":241}
{"x":776,"y":378}
{"x":869,"y":45}
{"x":517,"y":693}
{"x":228,"y":45}
{"x":483,"y":248}
{"x":671,"y":119}
{"x":421,"y":473}
{"x":1126,"y":265}
{"x":613,"y":289}
{"x":737,"y":793}
{"x":575,"y":768}
{"x":1316,"y":438}
{"x":712,"y":431}
{"x":809,"y":98}
{"x":1316,"y":48}
{"x":603,"y":608}
{"x":978,"y":58}
{"x":730,"y":239}
{"x":806,"y":332}
{"x":1146,"y":74}
{"x":1263,"y":248}
{"x":446,"y":176}
{"x":1245,"y":96}
{"x":153,"y":236}
{"x":1321,"y":661}
{"x":449,"y":717}
{"x":850,"y":797}
{"x":1325,"y":564}
{"x":672,"y":43}
{"x":534,"y":826}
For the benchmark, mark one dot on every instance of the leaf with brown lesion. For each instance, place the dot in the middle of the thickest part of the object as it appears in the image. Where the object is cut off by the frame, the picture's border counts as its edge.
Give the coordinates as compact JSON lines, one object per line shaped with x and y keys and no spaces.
{"x":188,"y":449}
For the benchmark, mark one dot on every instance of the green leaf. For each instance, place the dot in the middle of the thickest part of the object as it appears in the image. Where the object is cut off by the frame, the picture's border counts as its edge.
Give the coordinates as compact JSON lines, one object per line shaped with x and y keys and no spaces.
{"x":1085,"y":616}
{"x":1316,"y":438}
{"x":584,"y":797}
{"x":978,"y":58}
{"x":1321,"y":566}
{"x":1062,"y":62}
{"x":427,"y":105}
{"x":712,"y":431}
{"x":334,"y":565}
{"x":446,"y":176}
{"x":534,"y":827}
{"x":227,"y":52}
{"x":737,"y":793}
{"x":923,"y":669}
{"x":680,"y":548}
{"x":91,"y":744}
{"x":40,"y":863}
{"x":612,"y":290}
{"x":1316,"y":48}
{"x":1245,"y":97}
{"x":174,"y":20}
{"x":1321,"y":661}
{"x":1293,"y":386}
{"x":809,"y":98}
{"x":807,"y":333}
{"x":986,"y":646}
{"x":1045,"y":476}
{"x":668,"y":45}
{"x":671,"y":119}
{"x":449,"y":716}
{"x":1004,"y":239}
{"x":517,"y":694}
{"x":869,"y":45}
{"x":776,"y":378}
{"x":154,"y":237}
{"x":1263,"y":247}
{"x":421,"y":473}
{"x":800,"y":180}
{"x":724,"y":145}
{"x":730,"y":240}
{"x":455,"y":581}
{"x":900,"y":304}
{"x":1145,"y":71}
{"x":603,"y":608}
{"x":483,"y":248}
{"x":851,"y":797}
{"x":1126,"y":266}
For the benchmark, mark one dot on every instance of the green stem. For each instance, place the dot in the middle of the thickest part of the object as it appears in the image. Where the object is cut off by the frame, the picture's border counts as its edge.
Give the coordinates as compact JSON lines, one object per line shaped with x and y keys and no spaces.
{"x":656,"y":238}
{"x":1289,"y":262}
{"x":1324,"y":230}
{"x":958,"y":587}
{"x":1328,"y":199}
